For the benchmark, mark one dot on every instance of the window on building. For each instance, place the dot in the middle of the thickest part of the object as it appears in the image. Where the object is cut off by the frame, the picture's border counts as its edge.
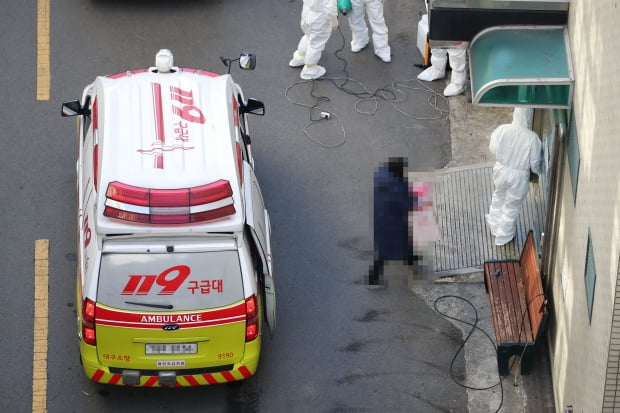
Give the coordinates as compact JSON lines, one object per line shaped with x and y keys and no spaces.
{"x":572,"y":150}
{"x":590,"y":276}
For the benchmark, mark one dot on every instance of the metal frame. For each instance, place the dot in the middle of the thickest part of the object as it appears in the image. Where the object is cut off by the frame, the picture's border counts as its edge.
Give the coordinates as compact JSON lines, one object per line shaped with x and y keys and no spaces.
{"x":534,"y":81}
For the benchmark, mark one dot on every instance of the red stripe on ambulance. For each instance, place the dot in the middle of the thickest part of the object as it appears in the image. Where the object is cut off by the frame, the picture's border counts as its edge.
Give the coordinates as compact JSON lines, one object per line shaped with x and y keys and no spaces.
{"x":151,"y":381}
{"x":100,"y":376}
{"x":235,"y":111}
{"x":191,"y":380}
{"x":160,"y":136}
{"x":115,"y":379}
{"x":198,"y":72}
{"x":210,"y":379}
{"x":245,"y":372}
{"x":97,"y":376}
{"x":227,"y":376}
{"x":239,"y":164}
{"x":119,"y":318}
{"x":127,"y":73}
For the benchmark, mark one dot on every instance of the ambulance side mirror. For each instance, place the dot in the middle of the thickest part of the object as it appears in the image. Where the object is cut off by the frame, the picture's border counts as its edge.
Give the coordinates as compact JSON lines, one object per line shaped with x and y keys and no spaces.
{"x":253,"y":106}
{"x":73,"y":108}
{"x":247,"y":61}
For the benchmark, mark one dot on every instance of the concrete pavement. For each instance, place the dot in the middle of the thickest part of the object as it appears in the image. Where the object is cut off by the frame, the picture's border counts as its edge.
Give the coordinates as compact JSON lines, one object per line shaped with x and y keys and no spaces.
{"x":462,"y":193}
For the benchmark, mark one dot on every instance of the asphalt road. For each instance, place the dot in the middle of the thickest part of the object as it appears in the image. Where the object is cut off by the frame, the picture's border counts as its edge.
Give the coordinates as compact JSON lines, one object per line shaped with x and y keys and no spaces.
{"x":339,"y":347}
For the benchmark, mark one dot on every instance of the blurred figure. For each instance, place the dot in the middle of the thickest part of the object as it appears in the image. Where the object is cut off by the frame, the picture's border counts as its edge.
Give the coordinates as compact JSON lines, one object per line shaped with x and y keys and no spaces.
{"x":359,"y":30}
{"x":437,"y":69}
{"x":392,"y":202}
{"x":318,"y":19}
{"x":518,"y":151}
{"x":423,"y":220}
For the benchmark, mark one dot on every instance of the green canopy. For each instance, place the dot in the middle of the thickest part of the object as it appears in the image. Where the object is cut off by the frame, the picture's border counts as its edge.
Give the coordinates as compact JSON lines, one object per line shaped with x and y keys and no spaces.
{"x":521,"y":66}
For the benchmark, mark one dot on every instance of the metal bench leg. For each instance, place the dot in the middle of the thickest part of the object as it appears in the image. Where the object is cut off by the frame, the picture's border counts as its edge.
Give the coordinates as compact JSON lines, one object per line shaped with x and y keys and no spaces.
{"x":527,"y":361}
{"x":503,"y":357}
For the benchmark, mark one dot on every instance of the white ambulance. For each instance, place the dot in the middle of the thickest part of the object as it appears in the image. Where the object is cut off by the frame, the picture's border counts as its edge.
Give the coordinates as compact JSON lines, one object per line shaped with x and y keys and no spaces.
{"x":175,"y":276}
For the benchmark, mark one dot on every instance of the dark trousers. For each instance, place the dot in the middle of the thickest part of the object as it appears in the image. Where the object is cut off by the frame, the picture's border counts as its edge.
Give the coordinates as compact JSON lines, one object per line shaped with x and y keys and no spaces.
{"x":375,"y":274}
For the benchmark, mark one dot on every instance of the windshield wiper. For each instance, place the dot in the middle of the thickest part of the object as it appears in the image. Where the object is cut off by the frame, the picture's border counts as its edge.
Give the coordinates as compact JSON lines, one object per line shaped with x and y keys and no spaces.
{"x":165,"y":306}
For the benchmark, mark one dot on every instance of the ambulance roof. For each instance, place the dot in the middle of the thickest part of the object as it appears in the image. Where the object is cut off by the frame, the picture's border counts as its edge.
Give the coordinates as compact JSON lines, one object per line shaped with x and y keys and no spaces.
{"x":168,"y":147}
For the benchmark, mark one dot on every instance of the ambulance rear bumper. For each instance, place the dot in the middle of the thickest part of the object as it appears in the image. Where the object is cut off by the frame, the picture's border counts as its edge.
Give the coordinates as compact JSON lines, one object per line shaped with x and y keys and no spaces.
{"x":170,"y":378}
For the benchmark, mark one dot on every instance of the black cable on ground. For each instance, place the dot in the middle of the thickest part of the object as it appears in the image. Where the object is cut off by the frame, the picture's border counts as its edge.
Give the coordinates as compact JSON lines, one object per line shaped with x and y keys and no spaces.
{"x":391,"y":94}
{"x":378,"y":94}
{"x":474,"y":326}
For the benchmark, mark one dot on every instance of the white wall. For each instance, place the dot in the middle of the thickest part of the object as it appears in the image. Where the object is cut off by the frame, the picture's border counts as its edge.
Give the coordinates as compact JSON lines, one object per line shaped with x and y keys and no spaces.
{"x":579,"y":347}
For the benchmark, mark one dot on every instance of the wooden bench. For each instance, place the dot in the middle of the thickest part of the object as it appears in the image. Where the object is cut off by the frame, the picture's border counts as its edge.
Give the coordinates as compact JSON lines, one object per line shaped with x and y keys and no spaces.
{"x":518,"y":305}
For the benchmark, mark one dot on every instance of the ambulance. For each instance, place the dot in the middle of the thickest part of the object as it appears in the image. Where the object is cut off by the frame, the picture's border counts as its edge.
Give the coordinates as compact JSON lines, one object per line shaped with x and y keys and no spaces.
{"x":174,"y":276}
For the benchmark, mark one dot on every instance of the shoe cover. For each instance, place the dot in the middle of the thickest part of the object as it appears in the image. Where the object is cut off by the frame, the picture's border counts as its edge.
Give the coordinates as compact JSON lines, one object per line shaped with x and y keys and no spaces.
{"x":499,"y":241}
{"x":298,"y":60}
{"x":384,"y":54}
{"x":310,"y":72}
{"x":431,"y":73}
{"x":358,"y":46}
{"x":458,"y":77}
{"x":492,"y":225}
{"x":437,"y":69}
{"x":453,"y":89}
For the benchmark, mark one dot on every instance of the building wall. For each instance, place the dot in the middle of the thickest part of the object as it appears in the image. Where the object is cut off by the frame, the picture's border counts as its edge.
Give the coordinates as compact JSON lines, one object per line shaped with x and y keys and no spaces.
{"x":579,"y":346}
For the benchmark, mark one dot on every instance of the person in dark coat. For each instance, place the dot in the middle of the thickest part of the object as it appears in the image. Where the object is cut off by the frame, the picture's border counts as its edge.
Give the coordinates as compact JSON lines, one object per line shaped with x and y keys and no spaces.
{"x":392,"y":201}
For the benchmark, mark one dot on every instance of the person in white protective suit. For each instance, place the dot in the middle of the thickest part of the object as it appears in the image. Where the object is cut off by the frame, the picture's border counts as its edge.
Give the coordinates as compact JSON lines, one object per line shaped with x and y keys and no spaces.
{"x":518,"y":151}
{"x":359,"y":30}
{"x":437,"y":69}
{"x":318,"y":19}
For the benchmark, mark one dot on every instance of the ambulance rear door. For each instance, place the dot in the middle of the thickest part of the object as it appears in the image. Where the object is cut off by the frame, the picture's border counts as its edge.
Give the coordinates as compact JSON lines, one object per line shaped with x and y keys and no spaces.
{"x":257,"y":220}
{"x":162,"y":300}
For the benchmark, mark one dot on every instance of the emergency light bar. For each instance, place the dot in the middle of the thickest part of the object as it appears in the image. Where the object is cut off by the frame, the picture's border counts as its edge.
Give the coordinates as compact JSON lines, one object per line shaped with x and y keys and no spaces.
{"x":169,"y":206}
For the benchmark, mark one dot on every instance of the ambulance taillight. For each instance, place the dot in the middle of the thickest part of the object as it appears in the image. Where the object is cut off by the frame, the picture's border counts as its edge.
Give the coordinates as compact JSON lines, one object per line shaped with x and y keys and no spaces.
{"x":88,"y":322}
{"x":251,"y":318}
{"x":169,"y":206}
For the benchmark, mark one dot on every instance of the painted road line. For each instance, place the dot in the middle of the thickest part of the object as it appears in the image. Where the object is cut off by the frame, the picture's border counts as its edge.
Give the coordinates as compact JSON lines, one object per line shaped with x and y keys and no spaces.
{"x":39,"y":355}
{"x":43,"y":50}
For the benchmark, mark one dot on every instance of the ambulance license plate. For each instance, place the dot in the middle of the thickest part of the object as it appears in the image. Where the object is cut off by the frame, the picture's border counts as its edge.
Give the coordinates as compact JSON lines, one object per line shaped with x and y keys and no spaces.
{"x":172,"y":348}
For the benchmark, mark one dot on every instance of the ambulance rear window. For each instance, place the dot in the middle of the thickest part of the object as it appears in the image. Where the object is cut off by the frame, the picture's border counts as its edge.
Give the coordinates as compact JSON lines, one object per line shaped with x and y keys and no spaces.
{"x":170,"y":281}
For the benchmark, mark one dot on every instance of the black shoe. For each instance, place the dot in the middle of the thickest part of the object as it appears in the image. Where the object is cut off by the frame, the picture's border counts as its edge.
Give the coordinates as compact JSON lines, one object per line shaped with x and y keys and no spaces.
{"x":375,"y":283}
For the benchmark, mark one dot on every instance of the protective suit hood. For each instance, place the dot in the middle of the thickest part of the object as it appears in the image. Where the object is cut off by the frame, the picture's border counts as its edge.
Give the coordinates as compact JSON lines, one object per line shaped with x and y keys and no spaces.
{"x":523,"y":117}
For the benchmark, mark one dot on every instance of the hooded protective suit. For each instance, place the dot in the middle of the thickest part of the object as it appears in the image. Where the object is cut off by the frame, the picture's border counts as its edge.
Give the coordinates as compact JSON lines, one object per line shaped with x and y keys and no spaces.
{"x":318,"y":19}
{"x":359,"y":30}
{"x":518,"y":151}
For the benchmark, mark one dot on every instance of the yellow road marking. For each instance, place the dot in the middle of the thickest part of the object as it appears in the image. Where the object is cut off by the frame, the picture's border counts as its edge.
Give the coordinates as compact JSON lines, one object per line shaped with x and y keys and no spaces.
{"x":39,"y":356}
{"x":43,"y":50}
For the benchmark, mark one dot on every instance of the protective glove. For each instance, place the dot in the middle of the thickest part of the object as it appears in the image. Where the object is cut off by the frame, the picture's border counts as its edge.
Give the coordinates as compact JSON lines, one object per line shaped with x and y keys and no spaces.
{"x":334,"y":23}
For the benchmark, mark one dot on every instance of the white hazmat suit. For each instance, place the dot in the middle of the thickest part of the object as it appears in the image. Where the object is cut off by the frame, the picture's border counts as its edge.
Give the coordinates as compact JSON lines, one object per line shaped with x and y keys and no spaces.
{"x":359,"y":30}
{"x":318,"y":19}
{"x":437,"y":69}
{"x":518,"y":151}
